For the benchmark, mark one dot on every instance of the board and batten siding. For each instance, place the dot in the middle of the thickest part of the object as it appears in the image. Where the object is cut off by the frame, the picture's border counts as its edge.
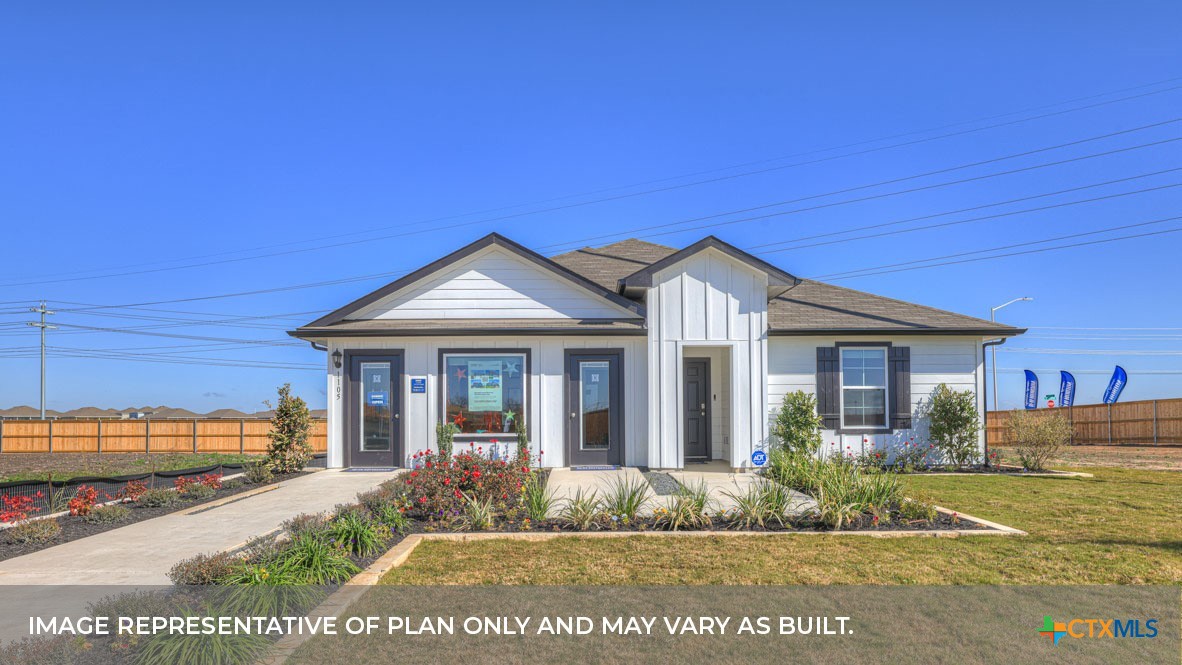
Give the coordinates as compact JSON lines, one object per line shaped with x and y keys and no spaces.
{"x":493,"y":284}
{"x":546,"y":409}
{"x":708,"y":300}
{"x":955,"y":361}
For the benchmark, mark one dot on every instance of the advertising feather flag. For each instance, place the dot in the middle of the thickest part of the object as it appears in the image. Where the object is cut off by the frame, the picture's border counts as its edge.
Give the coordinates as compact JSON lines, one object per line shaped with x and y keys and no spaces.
{"x":1031,"y":390}
{"x":1066,"y":389}
{"x":1115,"y":385}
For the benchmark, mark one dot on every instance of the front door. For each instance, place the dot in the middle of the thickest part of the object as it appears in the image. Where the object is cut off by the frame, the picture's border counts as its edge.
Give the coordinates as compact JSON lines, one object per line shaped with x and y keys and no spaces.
{"x":697,"y":408}
{"x":373,"y":401}
{"x":595,"y":428}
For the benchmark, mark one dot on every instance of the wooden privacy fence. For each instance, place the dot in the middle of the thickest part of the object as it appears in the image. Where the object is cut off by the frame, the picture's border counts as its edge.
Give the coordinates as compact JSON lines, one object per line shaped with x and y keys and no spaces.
{"x":144,"y":436}
{"x":1144,"y":423}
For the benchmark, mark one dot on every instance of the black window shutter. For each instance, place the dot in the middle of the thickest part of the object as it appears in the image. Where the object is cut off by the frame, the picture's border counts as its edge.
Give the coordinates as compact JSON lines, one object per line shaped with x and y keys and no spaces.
{"x":828,"y":387}
{"x":900,"y":386}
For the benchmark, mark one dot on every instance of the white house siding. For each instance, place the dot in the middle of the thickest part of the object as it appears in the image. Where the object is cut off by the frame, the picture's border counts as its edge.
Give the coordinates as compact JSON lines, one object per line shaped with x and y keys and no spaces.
{"x":709,"y":300}
{"x":956,"y":361}
{"x":493,"y":284}
{"x":547,"y":410}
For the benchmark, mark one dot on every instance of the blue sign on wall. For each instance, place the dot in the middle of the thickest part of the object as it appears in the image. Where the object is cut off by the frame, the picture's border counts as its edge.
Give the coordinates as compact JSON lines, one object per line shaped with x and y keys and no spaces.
{"x":377,"y":399}
{"x":759,"y":458}
{"x":418,"y":385}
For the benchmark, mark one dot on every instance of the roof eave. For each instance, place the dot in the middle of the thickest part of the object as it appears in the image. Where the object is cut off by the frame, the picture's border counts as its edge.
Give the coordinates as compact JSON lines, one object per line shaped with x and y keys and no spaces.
{"x":320,"y":334}
{"x":643,"y":278}
{"x":971,"y":332}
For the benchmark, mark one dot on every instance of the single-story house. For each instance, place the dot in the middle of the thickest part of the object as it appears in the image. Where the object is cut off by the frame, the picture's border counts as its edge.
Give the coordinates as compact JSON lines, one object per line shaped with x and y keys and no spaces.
{"x":630,"y":354}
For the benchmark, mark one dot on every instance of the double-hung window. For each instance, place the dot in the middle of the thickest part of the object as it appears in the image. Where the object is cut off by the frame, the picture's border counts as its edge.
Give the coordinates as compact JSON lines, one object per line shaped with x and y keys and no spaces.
{"x":484,"y":394}
{"x":863,"y":387}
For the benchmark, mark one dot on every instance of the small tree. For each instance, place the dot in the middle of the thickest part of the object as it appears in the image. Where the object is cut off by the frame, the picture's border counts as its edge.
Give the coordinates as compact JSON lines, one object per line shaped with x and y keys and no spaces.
{"x":445,"y":436}
{"x":289,"y":450}
{"x":1037,"y":437}
{"x":953,"y":424}
{"x":797,"y":426}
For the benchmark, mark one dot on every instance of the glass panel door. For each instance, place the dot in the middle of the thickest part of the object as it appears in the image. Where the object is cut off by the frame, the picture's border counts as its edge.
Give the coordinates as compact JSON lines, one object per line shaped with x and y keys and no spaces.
{"x":595,"y":405}
{"x":376,"y":408}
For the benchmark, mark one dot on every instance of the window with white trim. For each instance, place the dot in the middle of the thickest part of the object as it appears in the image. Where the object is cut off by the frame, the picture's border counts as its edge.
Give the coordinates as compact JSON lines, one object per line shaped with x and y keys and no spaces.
{"x":863,"y":387}
{"x":484,"y":393}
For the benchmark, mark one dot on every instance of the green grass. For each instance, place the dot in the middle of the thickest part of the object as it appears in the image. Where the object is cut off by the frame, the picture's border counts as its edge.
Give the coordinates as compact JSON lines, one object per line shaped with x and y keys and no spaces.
{"x":1120,"y":527}
{"x":37,"y":466}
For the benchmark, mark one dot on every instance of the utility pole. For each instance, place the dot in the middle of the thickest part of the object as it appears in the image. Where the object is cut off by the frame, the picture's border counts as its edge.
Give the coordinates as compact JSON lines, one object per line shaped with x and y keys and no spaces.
{"x":43,"y":311}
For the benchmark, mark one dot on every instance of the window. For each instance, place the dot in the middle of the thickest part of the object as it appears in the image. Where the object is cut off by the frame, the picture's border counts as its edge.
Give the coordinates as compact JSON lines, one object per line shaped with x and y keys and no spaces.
{"x":863,"y":387}
{"x":484,"y":393}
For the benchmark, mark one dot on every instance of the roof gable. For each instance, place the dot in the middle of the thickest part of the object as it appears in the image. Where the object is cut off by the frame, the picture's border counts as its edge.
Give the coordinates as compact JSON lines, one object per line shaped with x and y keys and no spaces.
{"x":420,"y":282}
{"x":643,"y":278}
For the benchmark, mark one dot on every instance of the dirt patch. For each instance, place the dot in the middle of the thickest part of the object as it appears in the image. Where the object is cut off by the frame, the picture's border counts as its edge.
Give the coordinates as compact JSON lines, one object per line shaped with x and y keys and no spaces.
{"x":1150,"y":458}
{"x":35,"y":466}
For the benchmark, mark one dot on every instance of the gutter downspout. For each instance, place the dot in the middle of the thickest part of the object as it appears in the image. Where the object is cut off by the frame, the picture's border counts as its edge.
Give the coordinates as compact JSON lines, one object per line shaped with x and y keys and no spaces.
{"x":985,"y":402}
{"x":318,"y":347}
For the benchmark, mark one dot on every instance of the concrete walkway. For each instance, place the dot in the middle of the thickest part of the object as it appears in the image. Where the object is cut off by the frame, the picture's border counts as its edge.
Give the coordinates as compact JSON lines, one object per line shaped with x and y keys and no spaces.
{"x":564,"y":484}
{"x":723,"y":485}
{"x":143,"y":553}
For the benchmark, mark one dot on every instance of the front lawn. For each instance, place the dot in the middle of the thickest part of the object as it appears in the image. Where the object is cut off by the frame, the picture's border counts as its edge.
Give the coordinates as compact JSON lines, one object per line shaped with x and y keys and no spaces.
{"x":1120,"y":527}
{"x":63,"y":466}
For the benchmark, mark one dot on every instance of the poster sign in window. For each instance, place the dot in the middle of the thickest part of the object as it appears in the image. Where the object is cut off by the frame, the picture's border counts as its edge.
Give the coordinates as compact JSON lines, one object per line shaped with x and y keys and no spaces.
{"x":377,"y":398}
{"x":484,"y":385}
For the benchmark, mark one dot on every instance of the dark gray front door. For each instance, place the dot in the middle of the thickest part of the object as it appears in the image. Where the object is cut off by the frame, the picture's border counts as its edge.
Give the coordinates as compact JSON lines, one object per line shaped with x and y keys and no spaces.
{"x":373,"y":402}
{"x":594,"y":399}
{"x":697,"y":408}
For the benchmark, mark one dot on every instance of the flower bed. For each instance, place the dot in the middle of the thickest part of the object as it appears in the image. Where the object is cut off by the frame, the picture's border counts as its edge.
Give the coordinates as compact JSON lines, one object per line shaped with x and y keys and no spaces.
{"x":91,"y":512}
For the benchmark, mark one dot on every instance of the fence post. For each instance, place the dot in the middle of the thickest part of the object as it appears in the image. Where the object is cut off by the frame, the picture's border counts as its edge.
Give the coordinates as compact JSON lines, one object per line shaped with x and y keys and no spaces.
{"x":1110,"y":424}
{"x":1155,"y":422}
{"x":194,"y":436}
{"x":147,"y":436}
{"x":99,"y":424}
{"x":1071,"y":420}
{"x":51,"y":435}
{"x":1,"y":435}
{"x":241,"y":436}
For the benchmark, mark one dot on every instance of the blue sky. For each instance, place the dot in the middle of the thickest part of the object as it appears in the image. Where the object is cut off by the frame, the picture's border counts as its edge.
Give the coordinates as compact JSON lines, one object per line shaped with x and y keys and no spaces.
{"x":155,"y":153}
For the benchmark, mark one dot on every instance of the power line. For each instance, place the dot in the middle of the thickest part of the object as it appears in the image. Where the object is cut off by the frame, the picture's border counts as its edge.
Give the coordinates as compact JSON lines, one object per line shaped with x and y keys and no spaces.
{"x":908,"y":265}
{"x":879,"y":225}
{"x":658,"y":232}
{"x":663,"y":189}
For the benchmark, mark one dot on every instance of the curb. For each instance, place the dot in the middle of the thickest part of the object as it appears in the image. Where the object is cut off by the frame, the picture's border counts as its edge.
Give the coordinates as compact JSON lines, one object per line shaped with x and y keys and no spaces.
{"x":200,"y":508}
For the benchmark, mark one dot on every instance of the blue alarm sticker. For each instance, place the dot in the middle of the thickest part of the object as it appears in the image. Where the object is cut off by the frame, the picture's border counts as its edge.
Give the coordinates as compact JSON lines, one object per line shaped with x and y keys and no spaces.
{"x":759,"y":458}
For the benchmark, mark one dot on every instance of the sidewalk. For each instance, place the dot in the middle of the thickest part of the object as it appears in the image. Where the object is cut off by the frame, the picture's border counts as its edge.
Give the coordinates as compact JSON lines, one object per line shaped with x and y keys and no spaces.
{"x":143,"y":553}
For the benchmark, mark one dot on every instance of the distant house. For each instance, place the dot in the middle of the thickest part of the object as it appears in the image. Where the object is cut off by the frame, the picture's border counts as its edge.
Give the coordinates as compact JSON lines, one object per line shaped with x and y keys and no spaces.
{"x":629,"y":354}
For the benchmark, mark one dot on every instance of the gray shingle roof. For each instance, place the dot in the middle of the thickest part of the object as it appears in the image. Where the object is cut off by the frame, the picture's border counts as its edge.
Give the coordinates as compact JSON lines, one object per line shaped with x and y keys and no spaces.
{"x":808,"y":308}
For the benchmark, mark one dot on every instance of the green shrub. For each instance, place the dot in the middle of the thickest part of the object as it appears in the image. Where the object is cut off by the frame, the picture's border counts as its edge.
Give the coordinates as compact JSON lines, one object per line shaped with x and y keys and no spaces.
{"x":263,"y":548}
{"x":582,"y":511}
{"x":109,"y":514}
{"x":765,"y":502}
{"x":445,"y":437}
{"x":291,"y":425}
{"x":919,"y":508}
{"x":1038,"y":436}
{"x":536,"y":499}
{"x":166,"y":648}
{"x":522,"y":441}
{"x":258,"y":473}
{"x":798,"y":472}
{"x":684,"y":512}
{"x":203,"y":569}
{"x":953,"y":424}
{"x":478,"y":515}
{"x":797,"y":426}
{"x":233,"y":483}
{"x":33,"y":532}
{"x":158,"y":498}
{"x":41,"y":650}
{"x":374,"y":499}
{"x":312,"y":560}
{"x":391,"y":515}
{"x":357,"y":534}
{"x":197,"y":492}
{"x":625,"y":497}
{"x":265,"y":599}
{"x":306,"y":523}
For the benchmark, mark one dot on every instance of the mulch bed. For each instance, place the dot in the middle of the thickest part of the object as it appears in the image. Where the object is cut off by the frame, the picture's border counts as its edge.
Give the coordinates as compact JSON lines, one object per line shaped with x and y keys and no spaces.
{"x":74,"y":528}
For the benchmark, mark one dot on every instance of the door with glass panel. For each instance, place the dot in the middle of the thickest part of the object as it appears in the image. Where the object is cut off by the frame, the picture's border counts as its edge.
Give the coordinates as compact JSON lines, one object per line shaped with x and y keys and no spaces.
{"x":595,"y":422}
{"x":373,"y":403}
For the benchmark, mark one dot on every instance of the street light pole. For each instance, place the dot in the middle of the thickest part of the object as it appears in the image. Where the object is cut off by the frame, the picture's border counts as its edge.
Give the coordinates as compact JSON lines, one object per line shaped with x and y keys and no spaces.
{"x":42,"y":310}
{"x":993,"y":350}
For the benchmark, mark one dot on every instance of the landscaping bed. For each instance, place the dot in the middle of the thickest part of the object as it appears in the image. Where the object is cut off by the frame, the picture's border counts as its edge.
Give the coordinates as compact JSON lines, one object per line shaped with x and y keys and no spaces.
{"x":73,"y":527}
{"x":62,"y":466}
